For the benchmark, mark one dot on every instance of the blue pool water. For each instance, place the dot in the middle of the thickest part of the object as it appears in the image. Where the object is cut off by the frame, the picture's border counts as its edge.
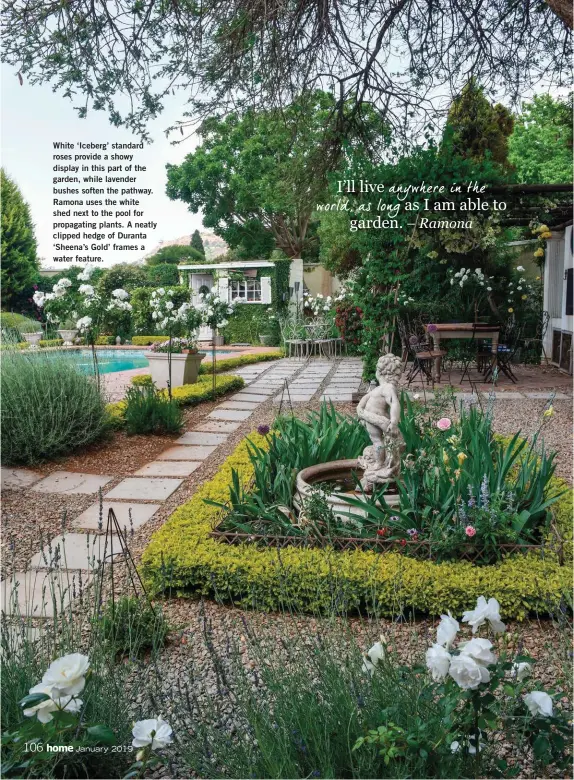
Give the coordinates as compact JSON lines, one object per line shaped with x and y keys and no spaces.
{"x":111,"y":360}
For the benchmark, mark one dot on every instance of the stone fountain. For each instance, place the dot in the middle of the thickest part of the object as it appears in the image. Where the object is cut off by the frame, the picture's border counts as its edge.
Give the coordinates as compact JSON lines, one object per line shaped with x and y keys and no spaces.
{"x":380,"y":412}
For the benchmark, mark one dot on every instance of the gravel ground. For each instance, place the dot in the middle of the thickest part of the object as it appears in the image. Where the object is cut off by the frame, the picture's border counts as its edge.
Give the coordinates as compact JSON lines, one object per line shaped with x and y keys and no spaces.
{"x":199,"y":626}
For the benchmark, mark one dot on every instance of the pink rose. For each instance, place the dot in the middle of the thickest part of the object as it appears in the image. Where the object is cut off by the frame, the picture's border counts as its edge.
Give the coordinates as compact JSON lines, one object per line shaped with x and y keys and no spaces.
{"x":470,"y":530}
{"x":443,"y":424}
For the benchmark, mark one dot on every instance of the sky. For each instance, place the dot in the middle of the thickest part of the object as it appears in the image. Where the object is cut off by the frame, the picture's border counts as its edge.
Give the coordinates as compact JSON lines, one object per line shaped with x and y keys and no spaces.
{"x":33,"y":117}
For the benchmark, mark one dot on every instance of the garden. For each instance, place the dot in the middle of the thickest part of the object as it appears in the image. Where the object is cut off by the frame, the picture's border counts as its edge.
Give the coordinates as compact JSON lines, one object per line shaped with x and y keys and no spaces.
{"x":303,"y":509}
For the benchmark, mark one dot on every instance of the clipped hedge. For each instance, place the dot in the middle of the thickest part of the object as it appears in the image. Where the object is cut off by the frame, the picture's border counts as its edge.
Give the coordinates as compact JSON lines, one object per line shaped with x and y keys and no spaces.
{"x":44,"y":343}
{"x":186,"y":395}
{"x":227,"y":364}
{"x":182,"y":556}
{"x":146,"y":341}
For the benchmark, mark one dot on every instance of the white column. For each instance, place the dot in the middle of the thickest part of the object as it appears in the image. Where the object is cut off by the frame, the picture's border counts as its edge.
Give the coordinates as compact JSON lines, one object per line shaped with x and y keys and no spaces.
{"x":296,"y":282}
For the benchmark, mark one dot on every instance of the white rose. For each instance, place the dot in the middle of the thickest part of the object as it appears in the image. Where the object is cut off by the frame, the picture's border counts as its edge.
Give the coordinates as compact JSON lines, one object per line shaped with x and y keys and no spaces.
{"x":484,"y":610}
{"x":67,"y":674}
{"x":519,"y":268}
{"x":38,"y":298}
{"x":154,"y":315}
{"x":479,"y":649}
{"x":539,"y":703}
{"x":160,"y":291}
{"x":447,"y":630}
{"x":438,"y":661}
{"x":471,"y":745}
{"x":489,"y":289}
{"x":169,"y":305}
{"x":466,"y":673}
{"x":44,"y":709}
{"x":373,"y":656}
{"x":121,"y":294}
{"x":86,"y":289}
{"x":155,"y":732}
{"x":522,"y":670}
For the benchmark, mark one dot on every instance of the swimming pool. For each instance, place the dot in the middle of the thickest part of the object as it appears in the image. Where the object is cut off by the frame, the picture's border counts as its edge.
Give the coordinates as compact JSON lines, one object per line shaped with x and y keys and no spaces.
{"x":112,"y":360}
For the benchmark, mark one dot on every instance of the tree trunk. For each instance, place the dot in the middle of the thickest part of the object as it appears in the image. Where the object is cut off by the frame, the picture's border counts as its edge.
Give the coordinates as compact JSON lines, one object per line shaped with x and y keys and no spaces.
{"x":562,"y":9}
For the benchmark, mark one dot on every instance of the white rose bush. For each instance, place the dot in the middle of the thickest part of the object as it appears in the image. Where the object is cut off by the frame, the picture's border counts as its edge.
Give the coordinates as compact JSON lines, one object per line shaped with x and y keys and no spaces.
{"x":149,"y":736}
{"x":483,"y":693}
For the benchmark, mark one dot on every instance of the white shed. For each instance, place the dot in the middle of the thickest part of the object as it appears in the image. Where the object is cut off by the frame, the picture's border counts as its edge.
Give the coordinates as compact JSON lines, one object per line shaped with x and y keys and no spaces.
{"x":558,"y":281}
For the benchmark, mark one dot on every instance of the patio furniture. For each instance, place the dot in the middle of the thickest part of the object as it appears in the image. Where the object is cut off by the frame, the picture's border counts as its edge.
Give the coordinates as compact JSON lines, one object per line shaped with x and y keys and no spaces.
{"x":422,"y":359}
{"x":510,"y":341}
{"x":460,"y":330}
{"x":479,"y":352}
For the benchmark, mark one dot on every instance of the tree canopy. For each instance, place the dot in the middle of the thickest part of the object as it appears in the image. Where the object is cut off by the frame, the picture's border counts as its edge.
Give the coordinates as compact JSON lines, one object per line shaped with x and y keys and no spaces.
{"x":20,"y":263}
{"x":176,"y":253}
{"x":258,"y":178}
{"x":541,"y":144}
{"x":259,"y":55}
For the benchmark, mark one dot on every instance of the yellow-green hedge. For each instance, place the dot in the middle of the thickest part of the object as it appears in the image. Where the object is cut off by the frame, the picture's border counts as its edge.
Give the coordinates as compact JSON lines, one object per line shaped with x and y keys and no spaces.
{"x":187,"y":395}
{"x":43,"y":343}
{"x":227,"y":364}
{"x":146,"y":341}
{"x":182,"y":556}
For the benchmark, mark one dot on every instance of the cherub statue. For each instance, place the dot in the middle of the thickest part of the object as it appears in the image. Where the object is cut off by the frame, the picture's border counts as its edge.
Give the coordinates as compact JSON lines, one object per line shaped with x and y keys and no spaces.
{"x":380,"y":411}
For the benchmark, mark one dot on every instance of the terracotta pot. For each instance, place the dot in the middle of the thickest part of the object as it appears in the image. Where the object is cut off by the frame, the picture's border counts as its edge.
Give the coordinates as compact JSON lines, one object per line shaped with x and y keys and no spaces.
{"x":184,"y":368}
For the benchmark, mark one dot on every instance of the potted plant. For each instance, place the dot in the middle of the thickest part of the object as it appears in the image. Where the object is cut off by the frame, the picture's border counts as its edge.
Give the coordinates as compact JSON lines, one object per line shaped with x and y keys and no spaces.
{"x":68,"y":332}
{"x":176,"y":361}
{"x":32,"y":333}
{"x":181,"y":356}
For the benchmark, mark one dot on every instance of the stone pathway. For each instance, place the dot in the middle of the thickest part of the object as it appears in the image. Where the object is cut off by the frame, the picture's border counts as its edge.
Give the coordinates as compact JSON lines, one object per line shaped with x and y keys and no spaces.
{"x":50,"y":580}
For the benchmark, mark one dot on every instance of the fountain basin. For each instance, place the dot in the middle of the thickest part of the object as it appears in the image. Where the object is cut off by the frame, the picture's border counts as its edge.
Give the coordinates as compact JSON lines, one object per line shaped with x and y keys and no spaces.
{"x":341,"y":476}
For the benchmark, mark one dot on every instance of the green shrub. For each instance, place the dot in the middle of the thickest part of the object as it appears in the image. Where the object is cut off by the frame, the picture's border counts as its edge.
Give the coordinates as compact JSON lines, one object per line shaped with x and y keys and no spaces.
{"x":228,"y":364}
{"x":14,"y":325}
{"x":148,"y":411}
{"x":247,"y":323}
{"x":104,"y":341}
{"x":48,"y":407}
{"x":51,"y":342}
{"x":130,"y":625}
{"x":142,"y":379}
{"x":146,"y":341}
{"x":314,"y":579}
{"x":142,"y":320}
{"x":186,"y":395}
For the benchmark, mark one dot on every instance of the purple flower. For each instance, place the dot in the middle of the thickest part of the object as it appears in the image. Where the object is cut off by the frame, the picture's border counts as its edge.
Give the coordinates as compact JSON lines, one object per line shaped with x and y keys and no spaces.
{"x":394,"y":518}
{"x":263,"y":430}
{"x":431,"y":328}
{"x":412,"y":532}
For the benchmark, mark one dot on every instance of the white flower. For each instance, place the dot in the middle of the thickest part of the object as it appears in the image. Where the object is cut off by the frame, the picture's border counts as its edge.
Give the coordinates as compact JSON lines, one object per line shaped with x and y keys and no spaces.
{"x":65,"y":282}
{"x":154,"y":315}
{"x":522,"y":670}
{"x":466,"y":673}
{"x":44,"y":709}
{"x":67,"y":674}
{"x":539,"y":703}
{"x":169,"y":305}
{"x":461,"y":283}
{"x":484,"y":610}
{"x":121,"y":294}
{"x":160,"y":291}
{"x":86,"y":289}
{"x":373,"y":656}
{"x":155,"y":732}
{"x":520,"y":268}
{"x":84,"y":276}
{"x":489,"y":289}
{"x":479,"y":649}
{"x":519,"y":287}
{"x":471,"y":746}
{"x":83,"y":323}
{"x":438,"y":661}
{"x":38,"y":298}
{"x":446,"y":630}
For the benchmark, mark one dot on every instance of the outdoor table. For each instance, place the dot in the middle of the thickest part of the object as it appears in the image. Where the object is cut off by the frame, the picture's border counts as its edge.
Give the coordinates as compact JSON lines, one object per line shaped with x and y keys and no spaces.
{"x":461,"y":330}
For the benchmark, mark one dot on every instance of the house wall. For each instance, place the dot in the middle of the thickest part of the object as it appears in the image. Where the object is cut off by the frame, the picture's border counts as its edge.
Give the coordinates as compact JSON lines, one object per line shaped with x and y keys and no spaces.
{"x":318,"y":279}
{"x":558,"y":260}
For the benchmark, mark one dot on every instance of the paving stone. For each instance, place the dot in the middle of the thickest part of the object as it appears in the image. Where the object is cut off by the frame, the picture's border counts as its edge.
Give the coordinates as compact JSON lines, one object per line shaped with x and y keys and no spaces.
{"x":187,"y":452}
{"x":140,"y":514}
{"x":168,"y":468}
{"x":217,"y":426}
{"x":501,"y":396}
{"x":294,"y":397}
{"x":252,"y":397}
{"x":33,"y":593}
{"x":229,"y":414}
{"x":145,"y":488}
{"x":202,"y":438}
{"x":548,"y":396}
{"x":74,"y":551}
{"x":18,"y":478}
{"x":71,"y":482}
{"x":247,"y":405}
{"x":13,"y":635}
{"x":337,"y":397}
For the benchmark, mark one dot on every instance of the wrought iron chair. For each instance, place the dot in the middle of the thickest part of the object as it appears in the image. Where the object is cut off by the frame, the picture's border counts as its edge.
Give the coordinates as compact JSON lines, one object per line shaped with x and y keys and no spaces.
{"x":422,"y":356}
{"x":540,"y":335}
{"x":510,"y":341}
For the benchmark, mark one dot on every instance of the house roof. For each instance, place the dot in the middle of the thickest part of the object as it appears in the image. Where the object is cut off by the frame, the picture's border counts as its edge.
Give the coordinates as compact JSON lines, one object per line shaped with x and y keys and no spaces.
{"x":231,"y":264}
